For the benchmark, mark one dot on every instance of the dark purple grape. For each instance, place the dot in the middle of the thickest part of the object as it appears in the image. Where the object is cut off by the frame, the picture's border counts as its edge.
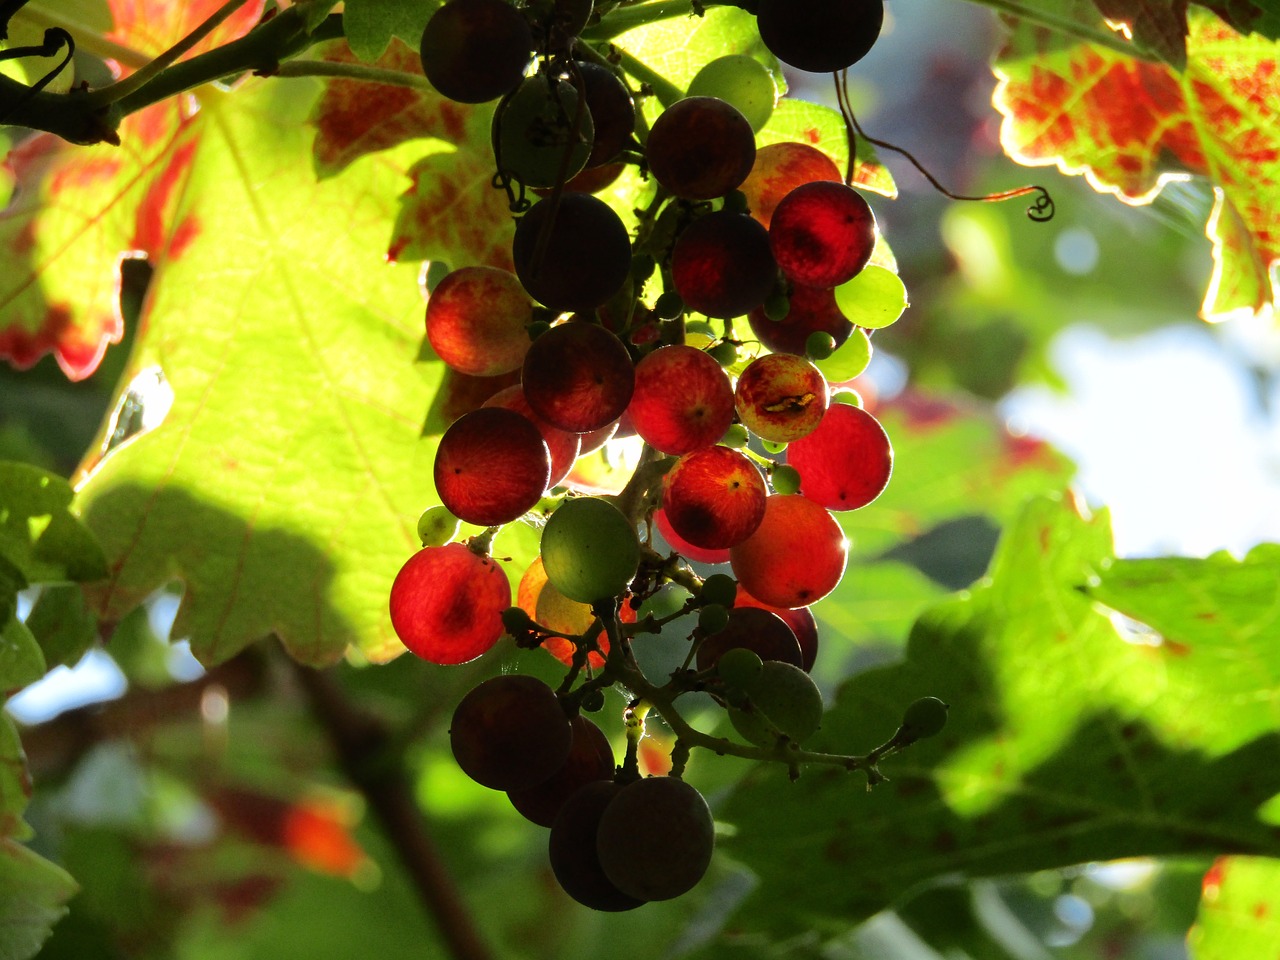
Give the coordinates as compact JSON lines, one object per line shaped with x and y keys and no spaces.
{"x":476,"y":50}
{"x":757,"y":630}
{"x":821,"y":36}
{"x":590,"y":759}
{"x":573,"y":852}
{"x":656,"y":838}
{"x":612,"y":110}
{"x":492,"y":466}
{"x":701,"y":148}
{"x":722,"y":265}
{"x":579,"y":376}
{"x":510,"y":733}
{"x":579,"y":260}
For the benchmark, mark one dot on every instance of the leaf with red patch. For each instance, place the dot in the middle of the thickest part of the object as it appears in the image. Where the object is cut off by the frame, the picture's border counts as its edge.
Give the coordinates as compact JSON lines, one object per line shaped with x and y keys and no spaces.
{"x":1239,"y":911}
{"x":153,"y":26}
{"x":355,"y":117}
{"x":1157,"y":25}
{"x":1131,"y":126}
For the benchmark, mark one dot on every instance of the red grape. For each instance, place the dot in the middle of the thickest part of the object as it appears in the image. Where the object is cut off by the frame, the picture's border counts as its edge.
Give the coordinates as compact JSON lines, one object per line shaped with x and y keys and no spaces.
{"x":822,"y":234}
{"x":722,"y":265}
{"x":682,"y":400}
{"x":780,"y":168}
{"x":713,"y":497}
{"x":477,"y":319}
{"x":492,"y":466}
{"x":682,"y":546}
{"x":781,"y":397}
{"x":578,"y":376}
{"x":760,"y":631}
{"x":446,"y":603}
{"x":700,"y":148}
{"x":801,"y":621}
{"x":510,"y":732}
{"x":796,"y":556}
{"x":562,"y":445}
{"x":846,"y":462}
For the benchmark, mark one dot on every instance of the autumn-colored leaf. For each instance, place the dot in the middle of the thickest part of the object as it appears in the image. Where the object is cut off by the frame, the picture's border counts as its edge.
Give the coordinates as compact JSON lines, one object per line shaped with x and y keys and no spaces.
{"x":1130,"y":126}
{"x":1239,"y":910}
{"x":355,"y":117}
{"x":153,"y":26}
{"x":1158,"y":25}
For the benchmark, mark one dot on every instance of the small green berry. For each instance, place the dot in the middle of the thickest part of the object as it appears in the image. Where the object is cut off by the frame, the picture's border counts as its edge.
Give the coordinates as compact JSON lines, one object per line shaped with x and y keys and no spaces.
{"x":593,"y":701}
{"x":713,"y":618}
{"x":739,"y":667}
{"x":437,"y":526}
{"x":819,"y":345}
{"x":735,"y":201}
{"x":851,"y":397}
{"x":669,"y":305}
{"x":719,"y":588}
{"x":537,"y":328}
{"x":785,"y":479}
{"x":736,"y":436}
{"x":924,"y":718}
{"x":777,"y":306}
{"x":724,"y":353}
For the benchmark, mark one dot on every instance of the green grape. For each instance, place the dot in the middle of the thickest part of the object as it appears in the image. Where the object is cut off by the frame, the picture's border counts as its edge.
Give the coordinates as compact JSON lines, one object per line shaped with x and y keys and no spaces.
{"x":742,"y":81}
{"x":534,"y":132}
{"x":725,"y":353}
{"x":719,"y":588}
{"x":923,"y":718}
{"x":785,"y":479}
{"x":782,"y":695}
{"x":777,"y":306}
{"x":669,"y":305}
{"x":736,"y":436}
{"x":713,"y":618}
{"x":593,"y":701}
{"x":773,"y":446}
{"x":820,"y":345}
{"x":590,"y":551}
{"x":437,"y":526}
{"x":739,"y":667}
{"x":850,"y":397}
{"x":848,"y":360}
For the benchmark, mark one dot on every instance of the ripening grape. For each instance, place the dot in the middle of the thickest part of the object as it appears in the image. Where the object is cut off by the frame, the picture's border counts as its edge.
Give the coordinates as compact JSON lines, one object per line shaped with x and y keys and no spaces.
{"x":590,"y":759}
{"x":846,"y":463}
{"x":581,"y":259}
{"x":613,"y":112}
{"x":822,"y":234}
{"x":742,"y":81}
{"x":578,"y":376}
{"x":809,"y":310}
{"x":476,"y":50}
{"x":801,"y":621}
{"x":796,"y":556}
{"x":541,"y":134}
{"x":552,"y":609}
{"x":778,"y":169}
{"x":510,"y":732}
{"x":713,"y":497}
{"x":492,"y":466}
{"x":573,"y":854}
{"x":751,"y":628}
{"x":782,"y":695}
{"x":722,"y":264}
{"x":562,"y":446}
{"x":655,"y":838}
{"x":700,"y":148}
{"x":477,"y":319}
{"x":446,"y":603}
{"x":590,"y":551}
{"x":781,"y":397}
{"x":683,"y":547}
{"x":820,"y":36}
{"x":682,"y":400}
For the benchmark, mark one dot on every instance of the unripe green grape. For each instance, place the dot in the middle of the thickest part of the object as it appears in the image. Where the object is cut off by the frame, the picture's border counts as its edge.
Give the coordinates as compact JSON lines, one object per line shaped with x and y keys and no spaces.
{"x":713,"y":618}
{"x":850,"y":397}
{"x":534,"y":132}
{"x":848,"y":360}
{"x":924,"y":718}
{"x":719,"y":588}
{"x":782,"y":695}
{"x":537,"y":329}
{"x":736,"y":201}
{"x":437,"y":526}
{"x":669,"y":305}
{"x":736,"y":436}
{"x":742,"y":81}
{"x":642,"y":267}
{"x":777,"y":306}
{"x":819,"y":345}
{"x":699,"y":328}
{"x":724,"y":353}
{"x":739,"y":668}
{"x":590,"y":551}
{"x":593,"y":701}
{"x":785,"y":479}
{"x":773,"y":446}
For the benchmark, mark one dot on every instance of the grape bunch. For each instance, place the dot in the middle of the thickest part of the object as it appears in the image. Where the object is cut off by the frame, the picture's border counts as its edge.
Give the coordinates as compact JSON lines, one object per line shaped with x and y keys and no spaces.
{"x":703,"y":337}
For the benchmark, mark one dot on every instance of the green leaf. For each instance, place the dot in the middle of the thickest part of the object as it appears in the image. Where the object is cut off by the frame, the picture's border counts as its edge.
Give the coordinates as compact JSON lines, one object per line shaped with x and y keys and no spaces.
{"x":62,"y":624}
{"x":33,"y":896}
{"x":1081,"y":107}
{"x":21,"y":661}
{"x":15,"y":782}
{"x":370,"y":24}
{"x":1238,"y":911}
{"x":798,"y":121}
{"x":38,"y":533}
{"x":1058,"y":750}
{"x":283,"y":487}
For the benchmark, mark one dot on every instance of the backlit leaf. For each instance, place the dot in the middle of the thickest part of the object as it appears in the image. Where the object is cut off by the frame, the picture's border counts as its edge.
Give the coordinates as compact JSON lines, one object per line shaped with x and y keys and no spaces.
{"x":1239,"y":910}
{"x":33,"y":896}
{"x":39,"y":535}
{"x":1130,"y":126}
{"x":370,"y":25}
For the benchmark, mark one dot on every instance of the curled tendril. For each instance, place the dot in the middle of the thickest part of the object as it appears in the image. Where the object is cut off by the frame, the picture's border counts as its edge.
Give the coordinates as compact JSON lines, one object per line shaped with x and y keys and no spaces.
{"x":55,"y":39}
{"x":1041,"y":211}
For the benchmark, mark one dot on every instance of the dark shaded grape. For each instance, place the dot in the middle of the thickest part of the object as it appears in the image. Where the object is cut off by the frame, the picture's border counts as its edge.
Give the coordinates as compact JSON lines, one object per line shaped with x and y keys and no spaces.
{"x":541,"y":136}
{"x":751,"y":628}
{"x":590,"y":759}
{"x":612,"y":110}
{"x":722,"y":265}
{"x":573,"y":854}
{"x":578,"y":376}
{"x":476,"y":50}
{"x":492,"y":466}
{"x":446,"y":603}
{"x":801,"y":621}
{"x":510,"y":732}
{"x":808,"y":310}
{"x":580,"y":261}
{"x":656,"y":838}
{"x":820,"y":36}
{"x":700,"y":148}
{"x":822,"y":234}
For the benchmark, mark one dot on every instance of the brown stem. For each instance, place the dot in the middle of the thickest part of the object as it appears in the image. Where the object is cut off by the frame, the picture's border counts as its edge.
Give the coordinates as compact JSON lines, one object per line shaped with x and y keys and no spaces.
{"x":360,"y":742}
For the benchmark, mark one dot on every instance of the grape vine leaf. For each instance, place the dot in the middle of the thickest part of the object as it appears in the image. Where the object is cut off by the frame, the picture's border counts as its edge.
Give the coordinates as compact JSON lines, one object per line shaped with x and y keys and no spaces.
{"x":33,"y":896}
{"x":1238,"y":915}
{"x":283,"y":485}
{"x":1157,"y":25}
{"x":1065,"y":744}
{"x":75,"y":212}
{"x":371,"y":25}
{"x":39,"y":535}
{"x":1130,"y":126}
